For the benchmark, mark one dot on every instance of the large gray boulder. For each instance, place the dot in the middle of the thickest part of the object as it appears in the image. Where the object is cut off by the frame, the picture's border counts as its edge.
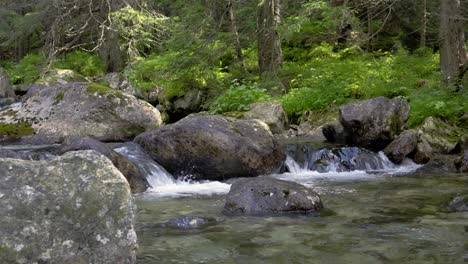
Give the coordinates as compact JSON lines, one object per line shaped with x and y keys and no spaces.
{"x":266,"y":195}
{"x":214,"y":148}
{"x":51,"y":112}
{"x":374,"y":123}
{"x":76,"y":208}
{"x":134,"y":176}
{"x":404,"y":145}
{"x":7,"y":94}
{"x":272,"y":114}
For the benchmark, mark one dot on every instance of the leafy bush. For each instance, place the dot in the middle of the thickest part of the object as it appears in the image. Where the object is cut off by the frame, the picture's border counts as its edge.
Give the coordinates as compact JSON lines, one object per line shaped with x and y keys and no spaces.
{"x":28,"y":70}
{"x":334,"y":78}
{"x":84,"y":63}
{"x":238,"y":97}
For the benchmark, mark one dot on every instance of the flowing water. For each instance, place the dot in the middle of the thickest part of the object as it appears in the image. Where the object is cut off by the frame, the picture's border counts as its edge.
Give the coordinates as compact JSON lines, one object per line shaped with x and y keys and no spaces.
{"x":376,"y":212}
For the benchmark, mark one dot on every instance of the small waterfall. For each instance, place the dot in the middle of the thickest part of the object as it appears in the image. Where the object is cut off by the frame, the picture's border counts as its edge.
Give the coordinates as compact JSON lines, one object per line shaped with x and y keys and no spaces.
{"x":162,"y":182}
{"x":156,"y":174}
{"x":303,"y":158}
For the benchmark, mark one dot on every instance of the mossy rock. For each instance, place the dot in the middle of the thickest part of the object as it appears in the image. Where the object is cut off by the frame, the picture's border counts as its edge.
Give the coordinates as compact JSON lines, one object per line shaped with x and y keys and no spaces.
{"x":14,"y":131}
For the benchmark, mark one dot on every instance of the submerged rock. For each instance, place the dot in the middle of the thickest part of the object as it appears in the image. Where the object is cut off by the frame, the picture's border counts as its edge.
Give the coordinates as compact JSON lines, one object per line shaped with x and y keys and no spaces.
{"x":214,"y":148}
{"x":459,"y":204}
{"x":134,"y":176}
{"x":266,"y":195}
{"x":402,"y":146}
{"x":374,"y":123}
{"x":76,"y":208}
{"x":272,"y":114}
{"x":51,"y":113}
{"x":189,"y":222}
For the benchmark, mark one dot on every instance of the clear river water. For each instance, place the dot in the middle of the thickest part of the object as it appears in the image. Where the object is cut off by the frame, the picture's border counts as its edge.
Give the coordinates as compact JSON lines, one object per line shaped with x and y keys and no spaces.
{"x":381,"y":213}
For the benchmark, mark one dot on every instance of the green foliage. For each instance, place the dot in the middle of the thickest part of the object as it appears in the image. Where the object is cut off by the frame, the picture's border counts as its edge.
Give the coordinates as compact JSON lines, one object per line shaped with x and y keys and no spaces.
{"x":437,"y":102}
{"x":334,"y":78}
{"x":238,"y":97}
{"x":84,"y":63}
{"x":28,"y":70}
{"x":140,"y":30}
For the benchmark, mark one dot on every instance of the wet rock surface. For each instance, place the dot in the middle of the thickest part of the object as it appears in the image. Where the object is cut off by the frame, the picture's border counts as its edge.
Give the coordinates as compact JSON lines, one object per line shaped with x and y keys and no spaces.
{"x":189,"y":222}
{"x":402,"y":146}
{"x":134,"y":176}
{"x":76,"y":208}
{"x":374,"y":123}
{"x":266,"y":195}
{"x":440,"y":164}
{"x":214,"y":148}
{"x":459,"y":204}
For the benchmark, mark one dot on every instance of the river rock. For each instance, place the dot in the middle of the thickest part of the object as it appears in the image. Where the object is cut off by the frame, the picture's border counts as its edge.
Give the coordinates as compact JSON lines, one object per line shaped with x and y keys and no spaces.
{"x":459,"y":204}
{"x":214,"y":148}
{"x":180,"y":106}
{"x":462,"y":162}
{"x":50,"y":113}
{"x":272,"y":114}
{"x":374,"y":123}
{"x":266,"y":195}
{"x":76,"y":208}
{"x":122,"y":83}
{"x":440,"y":164}
{"x":402,"y":146}
{"x":189,"y":222}
{"x":134,"y":176}
{"x":335,"y":132}
{"x":440,"y":136}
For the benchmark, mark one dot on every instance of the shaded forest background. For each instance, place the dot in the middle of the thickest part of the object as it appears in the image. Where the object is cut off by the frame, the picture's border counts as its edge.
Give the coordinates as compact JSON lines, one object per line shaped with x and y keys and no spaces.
{"x":222,"y":55}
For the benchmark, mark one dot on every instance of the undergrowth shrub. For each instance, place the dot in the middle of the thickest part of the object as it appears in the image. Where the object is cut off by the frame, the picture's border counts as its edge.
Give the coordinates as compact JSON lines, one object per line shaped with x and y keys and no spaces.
{"x":28,"y":70}
{"x":238,"y":97}
{"x":84,"y":63}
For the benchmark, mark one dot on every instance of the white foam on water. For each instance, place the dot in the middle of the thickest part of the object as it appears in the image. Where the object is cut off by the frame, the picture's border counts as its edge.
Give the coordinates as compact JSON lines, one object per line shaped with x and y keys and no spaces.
{"x":163,"y":183}
{"x":183,"y":189}
{"x":303,"y":175}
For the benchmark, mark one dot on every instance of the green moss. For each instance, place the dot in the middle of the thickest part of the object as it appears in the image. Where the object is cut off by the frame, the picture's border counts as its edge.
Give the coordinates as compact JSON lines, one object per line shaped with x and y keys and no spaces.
{"x":15,"y":130}
{"x":94,"y":88}
{"x":59,"y":97}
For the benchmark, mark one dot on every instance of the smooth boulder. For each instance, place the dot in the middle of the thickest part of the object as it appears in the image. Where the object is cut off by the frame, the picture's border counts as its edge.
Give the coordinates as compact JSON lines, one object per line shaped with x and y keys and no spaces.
{"x":51,"y":112}
{"x":272,"y":114}
{"x":134,"y":176}
{"x":404,"y":145}
{"x":270,"y":196}
{"x":214,"y":148}
{"x":374,"y":123}
{"x":77,"y":208}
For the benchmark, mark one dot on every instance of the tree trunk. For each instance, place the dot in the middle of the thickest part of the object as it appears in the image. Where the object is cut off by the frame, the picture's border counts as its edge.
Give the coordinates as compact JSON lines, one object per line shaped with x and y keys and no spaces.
{"x":235,"y":33}
{"x":452,"y":43}
{"x":422,"y":42}
{"x":270,"y":55}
